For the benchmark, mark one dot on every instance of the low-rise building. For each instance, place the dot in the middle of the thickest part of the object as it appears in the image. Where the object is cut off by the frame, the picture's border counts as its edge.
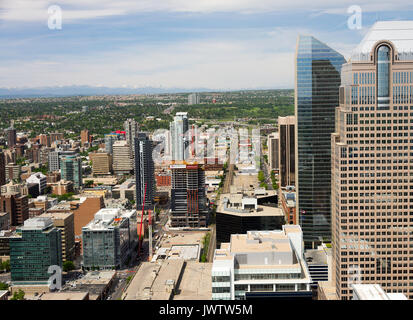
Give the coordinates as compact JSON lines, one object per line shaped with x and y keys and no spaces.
{"x":238,"y":213}
{"x":262,"y":264}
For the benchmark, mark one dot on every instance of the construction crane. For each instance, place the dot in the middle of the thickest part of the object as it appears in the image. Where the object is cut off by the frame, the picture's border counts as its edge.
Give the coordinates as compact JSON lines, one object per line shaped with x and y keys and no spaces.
{"x":150,"y":237}
{"x":140,"y":229}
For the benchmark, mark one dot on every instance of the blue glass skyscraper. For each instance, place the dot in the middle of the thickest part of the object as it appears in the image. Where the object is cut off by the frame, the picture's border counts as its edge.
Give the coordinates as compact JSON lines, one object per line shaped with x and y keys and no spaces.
{"x":317,"y":82}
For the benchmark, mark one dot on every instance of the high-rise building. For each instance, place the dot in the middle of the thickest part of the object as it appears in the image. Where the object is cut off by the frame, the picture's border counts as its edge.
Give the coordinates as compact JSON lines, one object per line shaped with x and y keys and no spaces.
{"x":372,"y":163}
{"x":16,"y":205}
{"x":101,"y":163}
{"x":286,"y":130}
{"x":55,"y":136}
{"x":122,"y":157}
{"x":132,"y":129}
{"x":144,"y":170}
{"x":110,"y":140}
{"x":188,"y":198}
{"x":2,"y":168}
{"x":31,"y":254}
{"x":179,"y":143}
{"x":194,"y":98}
{"x":85,"y":137}
{"x":54,"y":158}
{"x":13,"y":171}
{"x":45,"y":140}
{"x":65,"y":221}
{"x":11,"y":137}
{"x":317,"y":81}
{"x":71,"y":170}
{"x":273,"y":142}
{"x":109,"y":239}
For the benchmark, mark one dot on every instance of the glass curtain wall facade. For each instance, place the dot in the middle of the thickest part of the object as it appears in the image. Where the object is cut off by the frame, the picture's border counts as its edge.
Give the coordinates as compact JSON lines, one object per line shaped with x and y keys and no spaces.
{"x":317,"y":85}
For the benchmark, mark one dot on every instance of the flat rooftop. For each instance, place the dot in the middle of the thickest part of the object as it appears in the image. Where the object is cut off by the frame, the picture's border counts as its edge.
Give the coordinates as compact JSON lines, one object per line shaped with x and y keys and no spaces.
{"x":317,"y":256}
{"x":150,"y":282}
{"x":182,"y":238}
{"x":196,"y":282}
{"x":82,"y":295}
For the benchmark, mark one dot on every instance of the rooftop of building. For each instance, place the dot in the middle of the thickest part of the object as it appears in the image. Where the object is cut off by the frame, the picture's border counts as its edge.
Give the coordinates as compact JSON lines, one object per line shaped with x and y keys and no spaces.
{"x":56,"y":215}
{"x":196,"y":282}
{"x":108,"y":217}
{"x":263,"y":250}
{"x":152,"y":280}
{"x":317,"y":256}
{"x":400,"y":33}
{"x":81,"y":295}
{"x":185,"y":252}
{"x":37,"y":223}
{"x":375,"y":292}
{"x":246,"y":205}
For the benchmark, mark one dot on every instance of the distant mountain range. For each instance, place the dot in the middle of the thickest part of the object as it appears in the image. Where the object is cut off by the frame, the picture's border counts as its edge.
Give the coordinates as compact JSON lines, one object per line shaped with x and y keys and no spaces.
{"x":48,"y":92}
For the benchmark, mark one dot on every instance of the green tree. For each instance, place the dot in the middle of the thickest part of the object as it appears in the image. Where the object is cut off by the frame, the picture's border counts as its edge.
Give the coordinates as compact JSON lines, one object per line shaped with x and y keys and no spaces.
{"x":68,"y":266}
{"x":18,"y":295}
{"x":4,"y":286}
{"x":261,"y":176}
{"x":89,"y":183}
{"x":5,"y":265}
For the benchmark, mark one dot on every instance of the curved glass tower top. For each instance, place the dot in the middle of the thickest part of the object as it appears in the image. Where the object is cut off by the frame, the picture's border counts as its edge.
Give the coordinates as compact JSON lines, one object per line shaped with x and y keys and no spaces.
{"x":383,"y":77}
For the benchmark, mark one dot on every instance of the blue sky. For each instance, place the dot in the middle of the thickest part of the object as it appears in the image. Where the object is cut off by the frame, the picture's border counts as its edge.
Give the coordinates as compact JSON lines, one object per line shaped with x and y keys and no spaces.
{"x":216,"y":44}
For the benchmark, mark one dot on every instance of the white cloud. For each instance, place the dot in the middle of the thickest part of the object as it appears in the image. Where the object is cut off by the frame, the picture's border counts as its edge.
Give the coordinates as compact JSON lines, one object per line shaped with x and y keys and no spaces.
{"x":211,"y":64}
{"x":36,"y":10}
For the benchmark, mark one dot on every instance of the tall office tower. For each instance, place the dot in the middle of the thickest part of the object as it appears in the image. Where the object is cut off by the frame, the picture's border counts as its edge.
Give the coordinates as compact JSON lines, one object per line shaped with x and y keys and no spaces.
{"x":179,"y":143}
{"x":2,"y":168}
{"x":132,"y":130}
{"x":144,"y":170}
{"x":372,"y":163}
{"x":273,"y":142}
{"x":317,"y":82}
{"x":122,"y":162}
{"x":188,"y":199}
{"x":194,"y":98}
{"x":71,"y":170}
{"x":85,"y":137}
{"x":32,"y":253}
{"x":16,"y":205}
{"x":109,"y":141}
{"x":11,"y":137}
{"x":286,"y":130}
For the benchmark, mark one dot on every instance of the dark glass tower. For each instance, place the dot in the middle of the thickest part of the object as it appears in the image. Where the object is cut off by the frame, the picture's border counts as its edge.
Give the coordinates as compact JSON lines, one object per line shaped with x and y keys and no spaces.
{"x":144,"y":170}
{"x":317,"y":85}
